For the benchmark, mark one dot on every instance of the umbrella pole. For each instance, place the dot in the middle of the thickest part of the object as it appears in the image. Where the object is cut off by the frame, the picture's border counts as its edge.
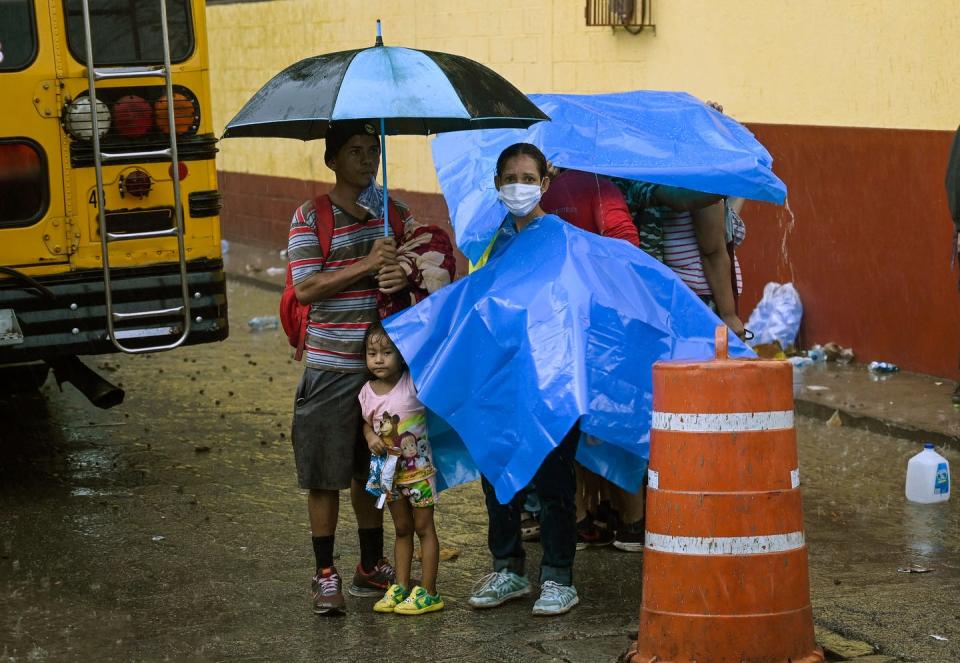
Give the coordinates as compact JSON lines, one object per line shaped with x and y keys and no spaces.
{"x":383,"y":169}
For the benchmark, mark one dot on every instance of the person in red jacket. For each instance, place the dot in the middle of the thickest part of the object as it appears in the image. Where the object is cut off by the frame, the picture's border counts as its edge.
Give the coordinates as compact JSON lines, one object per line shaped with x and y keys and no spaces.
{"x":590,"y":202}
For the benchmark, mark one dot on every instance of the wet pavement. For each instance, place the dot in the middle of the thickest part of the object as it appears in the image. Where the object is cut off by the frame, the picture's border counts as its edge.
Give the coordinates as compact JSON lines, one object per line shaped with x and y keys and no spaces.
{"x":170,"y":528}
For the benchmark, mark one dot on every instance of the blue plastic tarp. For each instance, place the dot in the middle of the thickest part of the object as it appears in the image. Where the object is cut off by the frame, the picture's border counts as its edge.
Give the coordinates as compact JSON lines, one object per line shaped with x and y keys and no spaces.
{"x":562,"y":326}
{"x":664,"y":137}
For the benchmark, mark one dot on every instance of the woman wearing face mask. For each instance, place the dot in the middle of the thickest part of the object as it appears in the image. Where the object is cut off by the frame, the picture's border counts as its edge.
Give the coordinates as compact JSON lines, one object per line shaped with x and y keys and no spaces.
{"x":521,"y":179}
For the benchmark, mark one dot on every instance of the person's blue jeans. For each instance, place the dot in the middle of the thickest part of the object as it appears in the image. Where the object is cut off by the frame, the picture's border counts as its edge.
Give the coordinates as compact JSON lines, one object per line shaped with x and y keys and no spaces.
{"x":556,"y":484}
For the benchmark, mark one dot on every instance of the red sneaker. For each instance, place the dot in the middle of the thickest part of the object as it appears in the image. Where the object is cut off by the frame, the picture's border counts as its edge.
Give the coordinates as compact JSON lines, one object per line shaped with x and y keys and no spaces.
{"x":327,"y":593}
{"x":373,"y":583}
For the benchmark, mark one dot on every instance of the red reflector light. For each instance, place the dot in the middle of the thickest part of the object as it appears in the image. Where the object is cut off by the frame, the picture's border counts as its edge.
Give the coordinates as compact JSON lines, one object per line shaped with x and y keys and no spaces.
{"x":183,"y":171}
{"x":137,"y":183}
{"x":132,"y":116}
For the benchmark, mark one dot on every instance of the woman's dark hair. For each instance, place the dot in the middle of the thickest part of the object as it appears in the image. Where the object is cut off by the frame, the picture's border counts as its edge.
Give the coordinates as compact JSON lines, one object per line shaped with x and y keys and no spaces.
{"x":527,"y":149}
{"x":376,"y":329}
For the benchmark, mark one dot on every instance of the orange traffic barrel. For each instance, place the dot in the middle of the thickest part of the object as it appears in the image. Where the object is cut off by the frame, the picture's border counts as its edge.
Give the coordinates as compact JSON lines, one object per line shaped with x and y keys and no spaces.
{"x":725,"y":561}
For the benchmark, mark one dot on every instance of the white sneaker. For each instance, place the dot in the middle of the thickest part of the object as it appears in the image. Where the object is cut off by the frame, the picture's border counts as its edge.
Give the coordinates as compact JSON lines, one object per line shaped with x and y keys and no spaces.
{"x":555,"y":599}
{"x":497,"y":588}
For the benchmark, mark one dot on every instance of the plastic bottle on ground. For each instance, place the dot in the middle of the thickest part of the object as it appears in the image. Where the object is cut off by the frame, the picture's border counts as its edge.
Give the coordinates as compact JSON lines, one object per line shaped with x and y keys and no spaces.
{"x":928,"y":477}
{"x":264,"y":322}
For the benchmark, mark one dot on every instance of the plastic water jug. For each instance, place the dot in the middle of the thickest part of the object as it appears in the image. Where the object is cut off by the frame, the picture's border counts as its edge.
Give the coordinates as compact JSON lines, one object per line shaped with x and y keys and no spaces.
{"x":928,"y":477}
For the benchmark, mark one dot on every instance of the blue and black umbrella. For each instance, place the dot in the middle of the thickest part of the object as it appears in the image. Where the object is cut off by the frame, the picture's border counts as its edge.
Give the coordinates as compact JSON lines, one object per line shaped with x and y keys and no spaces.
{"x":405,"y":91}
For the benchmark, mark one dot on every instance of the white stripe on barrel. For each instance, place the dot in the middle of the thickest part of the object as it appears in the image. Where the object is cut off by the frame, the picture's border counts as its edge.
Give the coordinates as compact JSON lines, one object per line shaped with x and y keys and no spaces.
{"x":729,"y":422}
{"x":724,"y":545}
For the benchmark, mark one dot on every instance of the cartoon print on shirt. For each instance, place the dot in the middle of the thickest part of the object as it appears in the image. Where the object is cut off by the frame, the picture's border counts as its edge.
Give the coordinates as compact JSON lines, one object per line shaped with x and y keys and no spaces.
{"x":387,"y":430}
{"x":408,"y":451}
{"x":423,"y":454}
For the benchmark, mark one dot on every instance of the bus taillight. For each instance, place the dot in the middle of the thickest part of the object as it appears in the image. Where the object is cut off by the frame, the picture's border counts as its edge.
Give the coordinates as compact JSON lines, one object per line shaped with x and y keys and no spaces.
{"x":77,"y":120}
{"x":132,"y":116}
{"x":186,"y":113}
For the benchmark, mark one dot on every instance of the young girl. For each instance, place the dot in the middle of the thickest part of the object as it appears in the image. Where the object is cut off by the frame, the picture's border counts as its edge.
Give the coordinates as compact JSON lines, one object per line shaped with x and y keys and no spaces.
{"x":394,"y":421}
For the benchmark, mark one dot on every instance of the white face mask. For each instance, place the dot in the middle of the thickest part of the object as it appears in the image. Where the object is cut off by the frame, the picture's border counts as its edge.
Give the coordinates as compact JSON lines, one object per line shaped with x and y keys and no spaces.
{"x":520,"y":198}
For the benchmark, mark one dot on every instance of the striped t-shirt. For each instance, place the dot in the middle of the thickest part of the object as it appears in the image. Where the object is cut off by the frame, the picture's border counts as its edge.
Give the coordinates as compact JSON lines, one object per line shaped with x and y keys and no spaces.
{"x":681,"y":252}
{"x":337,"y":324}
{"x":669,"y":236}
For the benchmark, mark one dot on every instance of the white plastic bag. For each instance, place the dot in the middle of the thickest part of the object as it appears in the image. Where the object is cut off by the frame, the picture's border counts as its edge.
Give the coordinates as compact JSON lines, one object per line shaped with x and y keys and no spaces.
{"x":777,"y":315}
{"x":380,"y":480}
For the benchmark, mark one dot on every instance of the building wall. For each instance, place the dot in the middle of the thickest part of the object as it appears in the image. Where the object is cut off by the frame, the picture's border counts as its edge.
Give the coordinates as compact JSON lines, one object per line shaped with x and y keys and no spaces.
{"x":850,"y":96}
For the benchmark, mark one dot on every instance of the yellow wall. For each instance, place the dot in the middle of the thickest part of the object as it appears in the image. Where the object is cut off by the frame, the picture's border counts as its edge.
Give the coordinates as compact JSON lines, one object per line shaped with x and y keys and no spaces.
{"x":871,"y":63}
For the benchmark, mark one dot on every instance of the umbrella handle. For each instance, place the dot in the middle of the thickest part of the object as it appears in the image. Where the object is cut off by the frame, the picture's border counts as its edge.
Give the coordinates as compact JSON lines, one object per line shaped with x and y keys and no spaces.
{"x":383,"y":168}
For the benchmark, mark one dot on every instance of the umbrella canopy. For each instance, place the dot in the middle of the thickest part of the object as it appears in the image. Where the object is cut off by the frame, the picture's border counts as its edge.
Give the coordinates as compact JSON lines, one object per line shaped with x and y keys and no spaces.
{"x":664,"y":137}
{"x":405,"y":90}
{"x":414,"y":92}
{"x":562,"y":326}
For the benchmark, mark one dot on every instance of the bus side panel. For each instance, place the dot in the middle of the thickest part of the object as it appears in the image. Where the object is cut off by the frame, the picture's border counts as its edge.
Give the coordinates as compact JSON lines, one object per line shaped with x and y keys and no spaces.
{"x":31,"y":110}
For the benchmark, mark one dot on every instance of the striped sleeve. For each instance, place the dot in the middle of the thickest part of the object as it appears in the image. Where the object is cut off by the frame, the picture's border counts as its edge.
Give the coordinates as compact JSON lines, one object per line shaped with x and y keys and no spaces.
{"x":303,"y":247}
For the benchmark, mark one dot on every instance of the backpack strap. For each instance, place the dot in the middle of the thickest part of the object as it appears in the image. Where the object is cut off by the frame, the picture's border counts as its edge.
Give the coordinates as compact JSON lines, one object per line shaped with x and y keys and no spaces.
{"x":324,"y":222}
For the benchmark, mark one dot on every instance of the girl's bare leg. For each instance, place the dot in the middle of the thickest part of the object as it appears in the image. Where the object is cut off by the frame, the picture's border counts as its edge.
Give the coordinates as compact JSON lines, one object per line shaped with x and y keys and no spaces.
{"x":429,"y":546}
{"x":403,"y":526}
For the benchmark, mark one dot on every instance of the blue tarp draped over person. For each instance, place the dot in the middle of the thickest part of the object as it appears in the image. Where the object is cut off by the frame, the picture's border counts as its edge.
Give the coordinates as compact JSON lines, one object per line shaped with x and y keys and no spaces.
{"x":560,"y":327}
{"x":541,"y":357}
{"x":667,"y":138}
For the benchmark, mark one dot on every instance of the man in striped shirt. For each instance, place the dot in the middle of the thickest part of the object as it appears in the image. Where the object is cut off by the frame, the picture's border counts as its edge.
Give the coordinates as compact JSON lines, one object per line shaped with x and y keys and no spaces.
{"x":341,"y":288}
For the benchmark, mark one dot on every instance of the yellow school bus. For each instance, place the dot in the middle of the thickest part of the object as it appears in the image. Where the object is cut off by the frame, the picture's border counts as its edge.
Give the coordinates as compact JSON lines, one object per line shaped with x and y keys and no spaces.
{"x":109,"y":208}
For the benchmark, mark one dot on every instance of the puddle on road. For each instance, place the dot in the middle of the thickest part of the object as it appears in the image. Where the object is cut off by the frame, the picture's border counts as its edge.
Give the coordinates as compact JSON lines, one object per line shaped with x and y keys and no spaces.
{"x":91,"y":463}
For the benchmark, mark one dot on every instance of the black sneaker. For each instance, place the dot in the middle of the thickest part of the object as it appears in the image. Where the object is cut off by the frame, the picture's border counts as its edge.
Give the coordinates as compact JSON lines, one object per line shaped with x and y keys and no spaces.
{"x":630,"y":537}
{"x":591,"y":533}
{"x":373,"y":583}
{"x":607,"y":516}
{"x":956,"y":395}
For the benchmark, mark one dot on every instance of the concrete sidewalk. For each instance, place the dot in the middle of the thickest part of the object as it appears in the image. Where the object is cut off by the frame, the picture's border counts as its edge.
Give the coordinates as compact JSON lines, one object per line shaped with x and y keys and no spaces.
{"x":905,"y":405}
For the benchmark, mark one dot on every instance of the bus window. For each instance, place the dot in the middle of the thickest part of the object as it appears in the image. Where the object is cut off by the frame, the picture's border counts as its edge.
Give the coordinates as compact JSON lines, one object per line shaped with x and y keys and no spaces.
{"x":128,"y":33}
{"x":18,"y":35}
{"x":23,"y":183}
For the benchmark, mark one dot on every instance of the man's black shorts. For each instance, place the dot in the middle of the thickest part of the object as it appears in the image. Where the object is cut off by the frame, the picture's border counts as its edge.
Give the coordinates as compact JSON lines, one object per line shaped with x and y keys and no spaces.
{"x":328,"y":444}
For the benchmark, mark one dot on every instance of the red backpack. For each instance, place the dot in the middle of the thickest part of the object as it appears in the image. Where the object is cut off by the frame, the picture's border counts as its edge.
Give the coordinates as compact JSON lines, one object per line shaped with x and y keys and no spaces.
{"x":294,"y":316}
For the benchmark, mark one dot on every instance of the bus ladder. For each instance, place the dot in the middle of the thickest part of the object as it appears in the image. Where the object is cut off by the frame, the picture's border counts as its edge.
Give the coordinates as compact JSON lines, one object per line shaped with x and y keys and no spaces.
{"x":95,"y":74}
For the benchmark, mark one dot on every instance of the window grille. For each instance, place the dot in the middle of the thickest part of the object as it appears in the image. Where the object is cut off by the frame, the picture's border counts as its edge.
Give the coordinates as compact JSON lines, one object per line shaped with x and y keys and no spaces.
{"x":631,"y":15}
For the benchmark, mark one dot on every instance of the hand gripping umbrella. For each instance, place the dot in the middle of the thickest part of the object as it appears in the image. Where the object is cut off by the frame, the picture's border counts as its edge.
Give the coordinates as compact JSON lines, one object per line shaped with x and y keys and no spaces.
{"x":406,"y":90}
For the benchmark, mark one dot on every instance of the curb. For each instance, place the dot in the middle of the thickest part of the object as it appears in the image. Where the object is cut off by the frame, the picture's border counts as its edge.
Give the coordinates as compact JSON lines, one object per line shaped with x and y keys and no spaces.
{"x":823,"y":412}
{"x":254,"y":281}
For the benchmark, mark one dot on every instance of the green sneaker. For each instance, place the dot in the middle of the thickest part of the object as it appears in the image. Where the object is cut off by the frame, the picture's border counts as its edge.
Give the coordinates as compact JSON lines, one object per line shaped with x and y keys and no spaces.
{"x":497,"y":588}
{"x":419,"y":601}
{"x":555,"y":599}
{"x":393,"y":597}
